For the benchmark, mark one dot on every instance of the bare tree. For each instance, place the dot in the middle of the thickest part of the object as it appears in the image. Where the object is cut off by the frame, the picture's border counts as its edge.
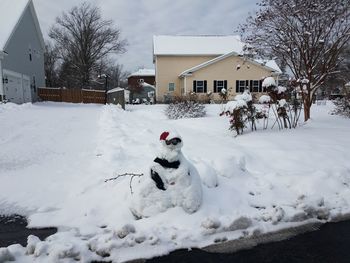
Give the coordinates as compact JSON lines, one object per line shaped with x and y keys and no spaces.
{"x":51,"y":65}
{"x":84,"y":39}
{"x":118,"y":76}
{"x":307,"y":35}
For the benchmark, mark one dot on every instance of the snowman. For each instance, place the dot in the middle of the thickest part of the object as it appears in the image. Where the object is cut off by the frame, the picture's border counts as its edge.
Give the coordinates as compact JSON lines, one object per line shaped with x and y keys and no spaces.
{"x":172,"y":181}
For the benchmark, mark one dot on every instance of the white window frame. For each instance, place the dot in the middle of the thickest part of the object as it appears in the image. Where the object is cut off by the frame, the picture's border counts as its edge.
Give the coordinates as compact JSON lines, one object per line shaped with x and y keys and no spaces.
{"x":171,"y":89}
{"x":201,"y":86}
{"x":241,"y":86}
{"x":220,"y":87}
{"x":256,"y":85}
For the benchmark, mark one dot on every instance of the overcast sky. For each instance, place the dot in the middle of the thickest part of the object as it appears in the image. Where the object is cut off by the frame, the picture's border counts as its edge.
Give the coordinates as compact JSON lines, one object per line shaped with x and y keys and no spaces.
{"x":139,"y":20}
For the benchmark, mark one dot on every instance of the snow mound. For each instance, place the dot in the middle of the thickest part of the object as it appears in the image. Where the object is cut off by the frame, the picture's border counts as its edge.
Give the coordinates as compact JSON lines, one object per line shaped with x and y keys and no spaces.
{"x":264,"y":99}
{"x":269,"y":82}
{"x":245,"y":96}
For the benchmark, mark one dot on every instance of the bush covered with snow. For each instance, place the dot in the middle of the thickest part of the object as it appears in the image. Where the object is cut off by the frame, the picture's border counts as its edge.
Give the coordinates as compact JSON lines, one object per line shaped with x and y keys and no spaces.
{"x":342,"y":107}
{"x":185,"y":108}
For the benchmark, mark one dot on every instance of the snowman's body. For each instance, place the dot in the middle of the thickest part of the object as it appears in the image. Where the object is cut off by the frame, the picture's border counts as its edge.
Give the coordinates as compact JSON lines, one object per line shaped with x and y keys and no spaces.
{"x":173,"y":181}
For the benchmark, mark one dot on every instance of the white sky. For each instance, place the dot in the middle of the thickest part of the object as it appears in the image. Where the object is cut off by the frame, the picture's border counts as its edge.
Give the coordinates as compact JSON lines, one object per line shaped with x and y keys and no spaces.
{"x":139,"y":20}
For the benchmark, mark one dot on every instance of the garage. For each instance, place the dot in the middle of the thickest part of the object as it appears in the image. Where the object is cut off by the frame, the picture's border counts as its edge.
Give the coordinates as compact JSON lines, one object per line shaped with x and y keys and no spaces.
{"x":16,"y":87}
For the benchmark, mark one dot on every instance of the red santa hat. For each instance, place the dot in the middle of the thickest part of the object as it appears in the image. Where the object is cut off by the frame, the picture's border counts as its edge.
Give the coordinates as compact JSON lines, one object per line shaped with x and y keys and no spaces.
{"x":168,"y":135}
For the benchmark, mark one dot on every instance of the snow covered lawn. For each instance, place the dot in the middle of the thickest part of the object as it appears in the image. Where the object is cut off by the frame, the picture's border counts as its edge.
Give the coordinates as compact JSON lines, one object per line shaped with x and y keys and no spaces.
{"x":54,"y":158}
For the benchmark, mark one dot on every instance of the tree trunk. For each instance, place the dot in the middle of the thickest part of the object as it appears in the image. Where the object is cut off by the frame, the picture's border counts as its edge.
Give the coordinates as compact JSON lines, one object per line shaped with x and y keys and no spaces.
{"x":307,"y":108}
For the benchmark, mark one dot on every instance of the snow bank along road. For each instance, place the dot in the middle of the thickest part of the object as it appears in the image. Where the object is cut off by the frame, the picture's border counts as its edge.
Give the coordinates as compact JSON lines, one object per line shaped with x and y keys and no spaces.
{"x":55,"y":157}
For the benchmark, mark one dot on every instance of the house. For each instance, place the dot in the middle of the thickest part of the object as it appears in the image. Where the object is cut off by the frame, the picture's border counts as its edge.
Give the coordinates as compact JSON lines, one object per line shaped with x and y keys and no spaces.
{"x":202,"y":64}
{"x":21,"y":52}
{"x":142,"y":84}
{"x":347,"y":88}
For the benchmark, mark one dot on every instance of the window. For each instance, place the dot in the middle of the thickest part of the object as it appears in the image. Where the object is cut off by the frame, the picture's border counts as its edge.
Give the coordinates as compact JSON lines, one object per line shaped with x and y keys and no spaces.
{"x":219,"y":85}
{"x":241,"y":85}
{"x":200,"y":86}
{"x":255,"y":85}
{"x":171,"y":87}
{"x":140,"y":81}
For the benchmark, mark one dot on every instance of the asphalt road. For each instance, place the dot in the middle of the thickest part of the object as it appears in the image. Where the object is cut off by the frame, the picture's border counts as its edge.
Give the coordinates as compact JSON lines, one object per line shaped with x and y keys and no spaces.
{"x":13,"y":230}
{"x":329,"y":244}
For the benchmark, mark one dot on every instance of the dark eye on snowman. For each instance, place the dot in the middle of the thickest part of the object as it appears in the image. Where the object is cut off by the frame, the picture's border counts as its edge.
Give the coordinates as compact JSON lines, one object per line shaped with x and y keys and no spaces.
{"x":173,"y":141}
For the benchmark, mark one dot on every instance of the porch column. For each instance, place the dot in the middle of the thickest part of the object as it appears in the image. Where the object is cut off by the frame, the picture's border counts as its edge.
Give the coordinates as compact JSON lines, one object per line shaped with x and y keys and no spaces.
{"x":185,"y":85}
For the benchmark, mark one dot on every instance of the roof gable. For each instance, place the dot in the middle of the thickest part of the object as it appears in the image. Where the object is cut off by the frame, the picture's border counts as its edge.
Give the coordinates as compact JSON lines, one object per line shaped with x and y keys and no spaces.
{"x":196,"y":45}
{"x":11,"y":15}
{"x":267,"y":64}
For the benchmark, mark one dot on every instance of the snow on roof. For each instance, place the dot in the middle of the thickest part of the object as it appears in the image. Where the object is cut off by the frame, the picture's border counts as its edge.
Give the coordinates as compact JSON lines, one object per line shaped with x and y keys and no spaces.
{"x":115,"y":90}
{"x":10,"y":14}
{"x":145,"y":84}
{"x":143,"y":72}
{"x":270,"y":64}
{"x":196,"y":45}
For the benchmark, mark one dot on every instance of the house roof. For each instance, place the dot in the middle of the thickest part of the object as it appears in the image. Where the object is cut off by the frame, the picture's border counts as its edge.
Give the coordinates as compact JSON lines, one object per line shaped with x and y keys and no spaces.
{"x":196,"y":45}
{"x":11,"y":13}
{"x":143,"y":72}
{"x":268,"y":64}
{"x":145,"y":84}
{"x":118,"y":89}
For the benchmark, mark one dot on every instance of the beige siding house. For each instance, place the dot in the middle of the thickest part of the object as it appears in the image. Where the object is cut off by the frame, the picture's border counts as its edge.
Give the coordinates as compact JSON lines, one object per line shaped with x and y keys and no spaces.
{"x":203,"y":64}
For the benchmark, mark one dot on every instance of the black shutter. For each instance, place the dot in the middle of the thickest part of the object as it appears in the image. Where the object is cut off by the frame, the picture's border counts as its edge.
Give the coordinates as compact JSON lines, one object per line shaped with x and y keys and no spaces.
{"x":260,"y":85}
{"x":251,"y":86}
{"x":246,"y":84}
{"x":194,"y":86}
{"x":215,"y":86}
{"x":225,"y":84}
{"x":205,"y":86}
{"x":237,"y":86}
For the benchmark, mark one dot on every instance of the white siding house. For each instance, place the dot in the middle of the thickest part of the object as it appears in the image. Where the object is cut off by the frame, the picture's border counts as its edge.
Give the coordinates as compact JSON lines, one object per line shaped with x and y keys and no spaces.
{"x":21,"y":52}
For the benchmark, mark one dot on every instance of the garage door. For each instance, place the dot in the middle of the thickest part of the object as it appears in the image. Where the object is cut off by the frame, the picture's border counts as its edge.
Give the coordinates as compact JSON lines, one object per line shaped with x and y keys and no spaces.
{"x":17,"y":87}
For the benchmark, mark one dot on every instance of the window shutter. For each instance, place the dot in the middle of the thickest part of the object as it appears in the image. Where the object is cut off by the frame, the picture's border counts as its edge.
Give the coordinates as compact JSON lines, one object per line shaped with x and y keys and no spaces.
{"x":260,"y":85}
{"x":205,"y":86}
{"x":246,"y":84}
{"x":215,"y":86}
{"x":251,"y":86}
{"x":225,"y":85}
{"x":194,"y":86}
{"x":237,"y":86}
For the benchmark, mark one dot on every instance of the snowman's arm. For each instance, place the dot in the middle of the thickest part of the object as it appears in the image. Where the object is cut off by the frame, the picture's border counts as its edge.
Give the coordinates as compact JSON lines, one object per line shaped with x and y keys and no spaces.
{"x":156,"y":178}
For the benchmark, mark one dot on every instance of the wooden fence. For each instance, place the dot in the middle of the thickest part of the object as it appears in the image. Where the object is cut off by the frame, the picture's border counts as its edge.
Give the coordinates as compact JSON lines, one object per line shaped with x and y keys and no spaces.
{"x":72,"y":95}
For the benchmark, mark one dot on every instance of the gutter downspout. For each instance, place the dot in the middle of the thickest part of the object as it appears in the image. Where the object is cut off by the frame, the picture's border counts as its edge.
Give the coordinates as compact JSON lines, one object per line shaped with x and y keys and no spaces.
{"x":2,"y":91}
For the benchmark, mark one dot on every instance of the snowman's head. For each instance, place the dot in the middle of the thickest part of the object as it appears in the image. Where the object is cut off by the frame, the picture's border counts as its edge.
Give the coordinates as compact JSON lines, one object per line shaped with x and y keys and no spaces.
{"x":171,"y":140}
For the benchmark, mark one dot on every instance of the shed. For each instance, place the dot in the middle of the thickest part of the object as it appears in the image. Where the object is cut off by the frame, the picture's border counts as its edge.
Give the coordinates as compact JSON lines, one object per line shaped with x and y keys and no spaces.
{"x":116,"y":96}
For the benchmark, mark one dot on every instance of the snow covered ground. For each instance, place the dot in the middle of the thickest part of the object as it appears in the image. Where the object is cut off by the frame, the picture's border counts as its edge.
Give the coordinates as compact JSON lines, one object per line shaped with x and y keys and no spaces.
{"x":54,"y":158}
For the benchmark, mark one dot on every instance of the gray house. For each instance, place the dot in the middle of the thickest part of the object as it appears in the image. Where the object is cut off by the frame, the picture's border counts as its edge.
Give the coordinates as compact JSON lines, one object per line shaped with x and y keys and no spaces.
{"x":21,"y":52}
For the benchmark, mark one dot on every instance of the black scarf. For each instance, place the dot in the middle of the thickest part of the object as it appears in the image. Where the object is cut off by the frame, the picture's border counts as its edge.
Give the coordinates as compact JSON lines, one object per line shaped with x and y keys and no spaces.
{"x":164,"y":163}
